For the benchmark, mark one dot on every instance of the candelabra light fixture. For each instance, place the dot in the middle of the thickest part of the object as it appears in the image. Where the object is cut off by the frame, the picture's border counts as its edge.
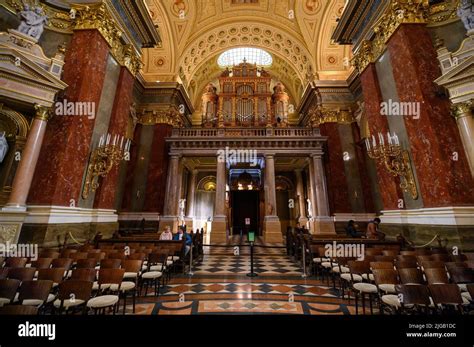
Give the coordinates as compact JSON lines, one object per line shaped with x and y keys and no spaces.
{"x":395,"y":159}
{"x":109,"y":152}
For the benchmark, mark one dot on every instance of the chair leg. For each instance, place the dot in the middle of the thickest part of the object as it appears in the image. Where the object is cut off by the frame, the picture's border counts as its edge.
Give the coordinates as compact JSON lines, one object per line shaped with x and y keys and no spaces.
{"x":370,"y":303}
{"x":356,"y":296}
{"x":133,"y":300}
{"x":363,"y":302}
{"x":124,"y":301}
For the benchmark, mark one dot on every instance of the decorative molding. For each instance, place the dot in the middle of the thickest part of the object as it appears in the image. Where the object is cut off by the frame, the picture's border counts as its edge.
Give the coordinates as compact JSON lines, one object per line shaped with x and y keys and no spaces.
{"x":68,"y":215}
{"x":320,"y":115}
{"x":462,"y":216}
{"x":161,"y":115}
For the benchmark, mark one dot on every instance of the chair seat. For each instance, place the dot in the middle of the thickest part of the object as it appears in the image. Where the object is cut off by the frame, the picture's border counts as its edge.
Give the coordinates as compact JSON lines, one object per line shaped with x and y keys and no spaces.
{"x":124,"y":287}
{"x":174,"y":257}
{"x":465,"y":295}
{"x":152,"y":274}
{"x":365,"y":287}
{"x":370,"y":277}
{"x":391,"y":300}
{"x":347,"y":277}
{"x":320,"y":260}
{"x":157,"y":267}
{"x":36,"y":302}
{"x":103,"y":301}
{"x":104,"y":286}
{"x":326,"y":264}
{"x":387,"y":288}
{"x":4,"y":301}
{"x":342,"y":269}
{"x":68,"y":303}
{"x":462,"y":287}
{"x":130,"y":275}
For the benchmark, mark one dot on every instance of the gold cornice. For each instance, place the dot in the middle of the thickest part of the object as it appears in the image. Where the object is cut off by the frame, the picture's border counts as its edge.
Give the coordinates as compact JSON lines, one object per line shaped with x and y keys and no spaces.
{"x":168,"y":116}
{"x":321,"y":115}
{"x":98,"y":16}
{"x":399,"y":12}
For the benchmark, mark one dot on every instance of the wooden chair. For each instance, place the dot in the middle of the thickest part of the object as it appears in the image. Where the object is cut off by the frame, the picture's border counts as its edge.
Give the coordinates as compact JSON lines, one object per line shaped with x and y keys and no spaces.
{"x":4,"y":273}
{"x":62,"y":263}
{"x":360,"y":288}
{"x":66,"y":253}
{"x":433,"y":265}
{"x":16,"y":262}
{"x":469,"y":295}
{"x":117,"y":255}
{"x":423,"y":251}
{"x":55,"y":275}
{"x":42,"y":263}
{"x":390,"y":252}
{"x":380,"y":265}
{"x":17,"y":310}
{"x":96,"y":256}
{"x":49,"y":253}
{"x":441,"y":257}
{"x":35,"y":293}
{"x":154,"y":276}
{"x":86,"y":263}
{"x":462,"y":277}
{"x":414,"y":298}
{"x":73,"y":294}
{"x":409,"y":253}
{"x":411,"y":276}
{"x":373,"y":251}
{"x":132,"y":274}
{"x":106,"y":278}
{"x":385,"y":280}
{"x":22,"y":273}
{"x":385,"y":258}
{"x":458,"y":258}
{"x":342,"y":270}
{"x":436,"y":276}
{"x":410,"y":264}
{"x":87,"y":275}
{"x":110,"y":264}
{"x":446,"y":297}
{"x":406,"y":258}
{"x":8,"y":289}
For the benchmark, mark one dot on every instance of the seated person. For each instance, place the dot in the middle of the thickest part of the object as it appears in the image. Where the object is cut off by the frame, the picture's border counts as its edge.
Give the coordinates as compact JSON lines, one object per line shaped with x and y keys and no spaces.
{"x":166,"y":235}
{"x":373,"y":231}
{"x":351,"y":230}
{"x":179,"y":236}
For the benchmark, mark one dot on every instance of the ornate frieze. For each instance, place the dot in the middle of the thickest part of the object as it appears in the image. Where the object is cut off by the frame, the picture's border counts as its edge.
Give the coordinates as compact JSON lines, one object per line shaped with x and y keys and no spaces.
{"x":320,"y":115}
{"x":161,"y":115}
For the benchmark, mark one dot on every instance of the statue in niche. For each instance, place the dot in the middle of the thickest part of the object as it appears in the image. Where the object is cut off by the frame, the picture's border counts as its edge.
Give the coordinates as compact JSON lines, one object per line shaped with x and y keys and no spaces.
{"x":360,"y":111}
{"x":32,"y":21}
{"x":310,"y":208}
{"x":466,"y":13}
{"x":133,"y":120}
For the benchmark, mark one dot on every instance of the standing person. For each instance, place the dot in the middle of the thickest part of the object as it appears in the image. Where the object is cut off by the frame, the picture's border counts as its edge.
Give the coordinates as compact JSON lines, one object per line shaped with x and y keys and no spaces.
{"x":166,"y":235}
{"x":373,"y":231}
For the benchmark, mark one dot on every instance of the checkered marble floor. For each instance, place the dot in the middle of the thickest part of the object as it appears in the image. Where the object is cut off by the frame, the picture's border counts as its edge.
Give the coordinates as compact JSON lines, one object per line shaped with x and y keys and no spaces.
{"x":240,"y":265}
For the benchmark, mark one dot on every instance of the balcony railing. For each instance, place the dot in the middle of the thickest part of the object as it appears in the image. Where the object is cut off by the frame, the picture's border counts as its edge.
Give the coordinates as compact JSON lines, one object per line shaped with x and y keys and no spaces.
{"x":246,"y":132}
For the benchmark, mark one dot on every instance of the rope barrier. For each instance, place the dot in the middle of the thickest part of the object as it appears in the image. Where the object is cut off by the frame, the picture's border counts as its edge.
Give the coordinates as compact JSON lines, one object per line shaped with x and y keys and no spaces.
{"x":434,"y":238}
{"x":72,"y":237}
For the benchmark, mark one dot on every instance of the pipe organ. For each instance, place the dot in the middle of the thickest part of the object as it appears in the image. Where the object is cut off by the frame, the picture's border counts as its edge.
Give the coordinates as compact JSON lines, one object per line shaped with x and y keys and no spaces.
{"x":245,"y":100}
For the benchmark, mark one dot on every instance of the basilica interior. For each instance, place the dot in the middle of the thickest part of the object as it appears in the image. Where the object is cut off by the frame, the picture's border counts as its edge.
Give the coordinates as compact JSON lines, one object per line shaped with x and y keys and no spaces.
{"x":257,"y":132}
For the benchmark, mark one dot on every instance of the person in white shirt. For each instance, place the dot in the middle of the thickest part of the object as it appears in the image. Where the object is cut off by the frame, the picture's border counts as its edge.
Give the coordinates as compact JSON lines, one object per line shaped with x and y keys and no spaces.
{"x":166,"y":235}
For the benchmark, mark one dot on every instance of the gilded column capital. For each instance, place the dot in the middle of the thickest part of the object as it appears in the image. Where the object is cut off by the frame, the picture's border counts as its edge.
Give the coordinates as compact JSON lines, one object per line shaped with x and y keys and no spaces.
{"x":99,"y":17}
{"x":462,"y":109}
{"x":42,"y":112}
{"x":321,"y":115}
{"x":164,"y":116}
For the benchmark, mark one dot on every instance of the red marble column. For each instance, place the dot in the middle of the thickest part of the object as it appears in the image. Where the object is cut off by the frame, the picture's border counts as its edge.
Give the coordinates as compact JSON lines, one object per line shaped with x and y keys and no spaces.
{"x":65,"y":151}
{"x":388,"y":185}
{"x":157,"y":170}
{"x":434,"y":137}
{"x":338,"y":189}
{"x":105,"y":194}
{"x":129,"y":193}
{"x":364,"y":177}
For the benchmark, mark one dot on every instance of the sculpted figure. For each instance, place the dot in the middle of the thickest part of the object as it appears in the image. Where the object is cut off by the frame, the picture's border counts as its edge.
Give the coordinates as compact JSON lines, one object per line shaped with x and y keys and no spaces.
{"x":466,"y":13}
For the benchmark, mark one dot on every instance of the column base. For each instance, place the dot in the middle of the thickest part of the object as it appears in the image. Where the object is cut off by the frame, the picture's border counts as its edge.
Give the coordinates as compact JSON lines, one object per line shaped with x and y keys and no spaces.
{"x":10,"y":226}
{"x":219,"y":229}
{"x":272,"y":230}
{"x":323,"y":226}
{"x":171,"y":221}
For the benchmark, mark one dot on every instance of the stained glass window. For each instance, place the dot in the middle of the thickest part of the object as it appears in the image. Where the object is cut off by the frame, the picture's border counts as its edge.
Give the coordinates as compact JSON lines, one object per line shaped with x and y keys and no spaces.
{"x":235,"y":56}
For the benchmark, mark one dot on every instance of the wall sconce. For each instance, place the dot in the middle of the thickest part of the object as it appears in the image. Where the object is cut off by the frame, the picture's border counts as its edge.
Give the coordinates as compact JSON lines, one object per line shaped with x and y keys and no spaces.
{"x":109,"y":152}
{"x":395,"y":159}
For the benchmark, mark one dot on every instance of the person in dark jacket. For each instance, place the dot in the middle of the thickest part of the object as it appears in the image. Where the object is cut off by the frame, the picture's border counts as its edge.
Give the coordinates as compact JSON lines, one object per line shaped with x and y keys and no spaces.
{"x":351,"y":230}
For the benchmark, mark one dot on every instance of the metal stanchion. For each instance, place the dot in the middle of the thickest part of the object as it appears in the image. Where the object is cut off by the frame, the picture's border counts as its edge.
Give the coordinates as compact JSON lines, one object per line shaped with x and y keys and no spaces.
{"x":191,"y":273}
{"x":304,"y":261}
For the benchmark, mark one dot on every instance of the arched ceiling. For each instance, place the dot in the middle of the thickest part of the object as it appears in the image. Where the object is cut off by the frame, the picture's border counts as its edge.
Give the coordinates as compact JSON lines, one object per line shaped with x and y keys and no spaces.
{"x":297,"y":33}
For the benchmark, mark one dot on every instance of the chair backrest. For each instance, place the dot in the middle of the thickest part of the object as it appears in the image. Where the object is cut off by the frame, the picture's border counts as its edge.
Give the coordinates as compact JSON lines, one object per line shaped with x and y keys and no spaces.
{"x":385,"y":276}
{"x":406,"y":264}
{"x":423,"y":251}
{"x":451,"y":265}
{"x":157,"y":258}
{"x":64,"y":263}
{"x":390,"y":252}
{"x":410,"y":276}
{"x":406,"y":258}
{"x":84,"y":275}
{"x":132,"y":265}
{"x":56,"y":275}
{"x":18,"y":310}
{"x":8,"y":288}
{"x":22,"y":273}
{"x":42,"y":263}
{"x":4,"y":273}
{"x":433,"y":265}
{"x":423,"y":258}
{"x":110,"y":276}
{"x":79,"y":290}
{"x":78,"y":255}
{"x":461,"y":275}
{"x":35,"y":290}
{"x":385,"y":258}
{"x":458,"y":258}
{"x":67,"y":252}
{"x":413,"y":294}
{"x":436,"y":276}
{"x":97,"y":256}
{"x":15,"y":262}
{"x":117,"y":255}
{"x":470,"y":290}
{"x":375,"y":265}
{"x":443,"y":294}
{"x":373,"y":251}
{"x":441,"y":257}
{"x":359,"y":267}
{"x":410,"y":253}
{"x":470,"y":264}
{"x":110,"y":263}
{"x":49,"y":253}
{"x":86,"y":263}
{"x":137,"y":256}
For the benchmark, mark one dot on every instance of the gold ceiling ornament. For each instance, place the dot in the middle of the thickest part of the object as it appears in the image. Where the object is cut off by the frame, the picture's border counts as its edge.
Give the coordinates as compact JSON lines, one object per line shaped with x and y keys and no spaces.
{"x":398,"y":13}
{"x":169,"y":116}
{"x":443,"y":12}
{"x":321,"y":115}
{"x":99,"y":17}
{"x":58,"y":20}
